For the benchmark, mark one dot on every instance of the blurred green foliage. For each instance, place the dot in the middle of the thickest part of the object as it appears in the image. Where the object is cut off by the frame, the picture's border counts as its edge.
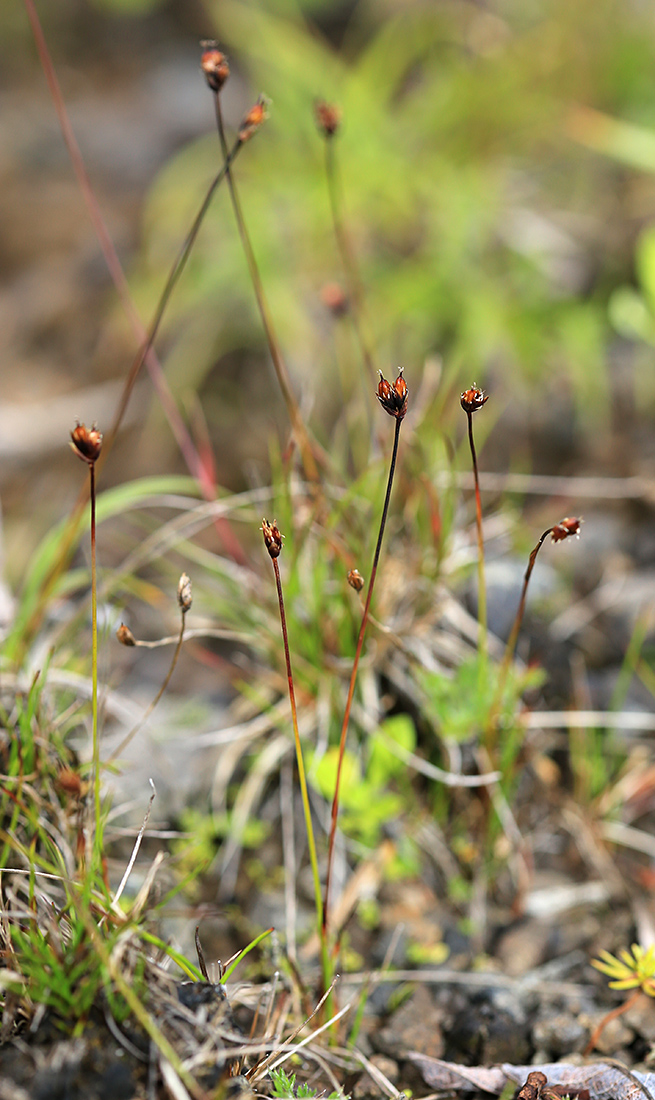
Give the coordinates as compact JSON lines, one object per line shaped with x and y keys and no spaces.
{"x":477,"y":212}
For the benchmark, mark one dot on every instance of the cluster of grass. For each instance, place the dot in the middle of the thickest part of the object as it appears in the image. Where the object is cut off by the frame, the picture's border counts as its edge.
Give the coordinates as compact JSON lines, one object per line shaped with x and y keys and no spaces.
{"x":368,"y":542}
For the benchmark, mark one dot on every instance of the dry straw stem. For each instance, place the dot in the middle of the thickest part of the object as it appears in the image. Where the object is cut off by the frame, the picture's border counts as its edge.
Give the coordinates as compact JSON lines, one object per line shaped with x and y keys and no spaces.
{"x":393,"y":399}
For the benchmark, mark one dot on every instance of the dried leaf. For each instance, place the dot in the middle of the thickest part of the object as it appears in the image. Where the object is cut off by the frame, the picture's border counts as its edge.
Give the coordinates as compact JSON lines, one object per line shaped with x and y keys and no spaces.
{"x":603,"y":1080}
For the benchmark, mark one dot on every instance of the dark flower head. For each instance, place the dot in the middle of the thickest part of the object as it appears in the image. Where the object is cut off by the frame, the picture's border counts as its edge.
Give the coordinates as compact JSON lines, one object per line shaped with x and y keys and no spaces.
{"x":355,"y":580}
{"x":473,"y":399}
{"x":328,"y":117}
{"x":272,"y":538}
{"x":254,"y":119}
{"x":393,"y":398}
{"x":565,"y":528}
{"x":184,"y":597}
{"x":86,"y":442}
{"x":214,"y":65}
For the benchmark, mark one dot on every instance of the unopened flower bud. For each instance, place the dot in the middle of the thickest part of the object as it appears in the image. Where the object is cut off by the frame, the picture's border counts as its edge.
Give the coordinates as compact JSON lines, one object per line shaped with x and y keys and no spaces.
{"x":86,"y":442}
{"x":355,"y":580}
{"x":328,"y":117}
{"x":253,"y":120}
{"x":214,"y":65}
{"x":565,"y":528}
{"x":393,"y":398}
{"x":473,"y":399}
{"x":125,"y":635}
{"x":272,"y":538}
{"x":184,"y":597}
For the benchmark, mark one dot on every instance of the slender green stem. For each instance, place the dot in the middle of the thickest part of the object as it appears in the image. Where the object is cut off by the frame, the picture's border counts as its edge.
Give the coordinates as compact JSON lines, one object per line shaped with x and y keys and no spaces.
{"x":303,"y":780}
{"x":297,"y":423}
{"x":97,"y":841}
{"x":353,"y":675}
{"x":482,"y":587}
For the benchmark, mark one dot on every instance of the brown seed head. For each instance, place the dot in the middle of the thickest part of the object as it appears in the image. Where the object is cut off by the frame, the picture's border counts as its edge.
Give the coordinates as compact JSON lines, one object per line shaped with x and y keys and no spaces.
{"x":272,"y":538}
{"x":125,"y":635}
{"x":328,"y":117}
{"x":566,"y":527}
{"x":334,"y":298}
{"x":254,"y":119}
{"x":473,"y":399}
{"x":86,"y":442}
{"x":214,"y":65}
{"x":355,"y":580}
{"x":393,"y":398}
{"x":184,"y":597}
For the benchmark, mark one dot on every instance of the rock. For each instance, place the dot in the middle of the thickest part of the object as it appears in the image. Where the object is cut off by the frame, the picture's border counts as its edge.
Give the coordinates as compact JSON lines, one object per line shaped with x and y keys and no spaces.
{"x":417,"y":1025}
{"x":559,"y":1032}
{"x":614,"y":1035}
{"x":368,"y":1086}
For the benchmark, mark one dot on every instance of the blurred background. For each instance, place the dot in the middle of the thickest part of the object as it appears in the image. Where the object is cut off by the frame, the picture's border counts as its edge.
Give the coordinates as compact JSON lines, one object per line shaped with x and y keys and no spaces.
{"x":496,"y":163}
{"x":498,"y":171}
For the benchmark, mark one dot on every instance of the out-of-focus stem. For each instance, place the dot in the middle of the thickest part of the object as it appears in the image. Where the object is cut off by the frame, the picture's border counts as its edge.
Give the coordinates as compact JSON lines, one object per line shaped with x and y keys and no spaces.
{"x":280,"y":366}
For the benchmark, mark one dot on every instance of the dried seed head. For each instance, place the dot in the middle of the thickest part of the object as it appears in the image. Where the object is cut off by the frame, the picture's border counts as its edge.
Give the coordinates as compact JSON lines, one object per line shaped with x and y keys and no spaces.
{"x":272,"y":538}
{"x":355,"y":580}
{"x":334,"y":298}
{"x":214,"y":65}
{"x":566,"y":527}
{"x":184,"y":597}
{"x":253,"y":120}
{"x":328,"y":117}
{"x":86,"y":442}
{"x":125,"y":635}
{"x":393,"y":398}
{"x":473,"y":399}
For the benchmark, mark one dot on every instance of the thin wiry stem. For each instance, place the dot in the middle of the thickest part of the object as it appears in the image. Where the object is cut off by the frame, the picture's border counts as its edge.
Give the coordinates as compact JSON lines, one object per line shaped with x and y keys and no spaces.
{"x":353,"y":675}
{"x":302,"y":777}
{"x":346,"y":252}
{"x":482,"y":587}
{"x":144,"y":718}
{"x":279,"y":364}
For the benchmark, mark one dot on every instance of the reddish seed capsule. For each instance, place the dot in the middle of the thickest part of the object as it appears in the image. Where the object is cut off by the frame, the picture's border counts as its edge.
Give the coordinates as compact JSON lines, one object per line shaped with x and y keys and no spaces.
{"x":272,"y":538}
{"x":125,"y":635}
{"x":473,"y":399}
{"x":328,"y":117}
{"x":184,"y":597}
{"x":253,"y":120}
{"x":214,"y":65}
{"x":393,"y":398}
{"x":86,"y":442}
{"x":565,"y":528}
{"x":355,"y":580}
